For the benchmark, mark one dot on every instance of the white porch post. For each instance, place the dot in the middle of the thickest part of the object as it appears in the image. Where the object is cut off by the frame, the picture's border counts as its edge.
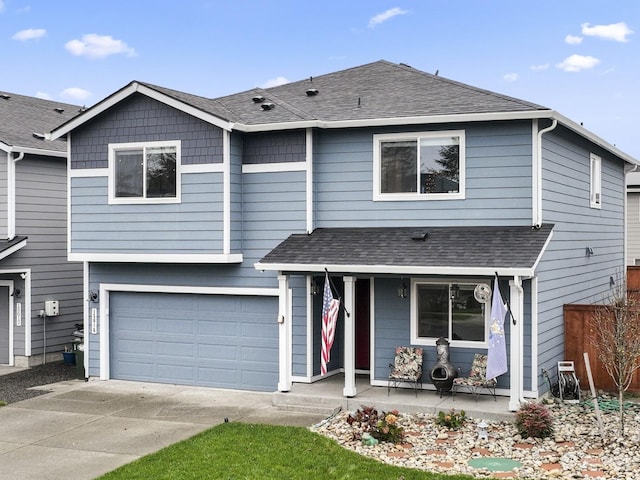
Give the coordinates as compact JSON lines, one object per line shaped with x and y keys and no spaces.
{"x":516,"y":372}
{"x":284,"y":329}
{"x":349,"y":338}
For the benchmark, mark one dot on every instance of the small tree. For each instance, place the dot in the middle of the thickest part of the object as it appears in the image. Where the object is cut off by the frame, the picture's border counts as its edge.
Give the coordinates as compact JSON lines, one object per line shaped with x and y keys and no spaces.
{"x":616,"y":338}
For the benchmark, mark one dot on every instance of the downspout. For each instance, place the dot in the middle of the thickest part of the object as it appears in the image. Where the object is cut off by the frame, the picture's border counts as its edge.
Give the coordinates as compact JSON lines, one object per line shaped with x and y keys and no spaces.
{"x":516,"y":294}
{"x":627,"y":170}
{"x":537,"y":172}
{"x":11,"y":194}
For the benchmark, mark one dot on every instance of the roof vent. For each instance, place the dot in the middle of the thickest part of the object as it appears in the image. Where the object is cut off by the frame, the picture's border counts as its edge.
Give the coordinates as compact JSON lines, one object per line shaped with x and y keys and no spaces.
{"x":4,"y":96}
{"x":59,"y":110}
{"x":38,"y":135}
{"x":419,"y":236}
{"x":312,"y":92}
{"x":268,"y":106}
{"x":258,"y":99}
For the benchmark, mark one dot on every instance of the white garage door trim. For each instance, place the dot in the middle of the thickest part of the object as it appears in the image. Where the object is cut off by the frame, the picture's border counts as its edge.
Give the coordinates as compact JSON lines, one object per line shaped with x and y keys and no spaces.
{"x":107,"y":288}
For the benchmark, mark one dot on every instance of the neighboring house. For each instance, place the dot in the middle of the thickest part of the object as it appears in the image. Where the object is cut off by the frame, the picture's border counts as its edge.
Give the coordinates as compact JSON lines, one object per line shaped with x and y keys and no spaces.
{"x":33,"y":221}
{"x":633,"y":219}
{"x":206,"y":226}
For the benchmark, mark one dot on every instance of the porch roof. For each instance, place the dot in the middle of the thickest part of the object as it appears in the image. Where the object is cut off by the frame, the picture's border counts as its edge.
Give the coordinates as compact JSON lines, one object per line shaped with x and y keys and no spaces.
{"x":479,"y":250}
{"x":8,"y":247}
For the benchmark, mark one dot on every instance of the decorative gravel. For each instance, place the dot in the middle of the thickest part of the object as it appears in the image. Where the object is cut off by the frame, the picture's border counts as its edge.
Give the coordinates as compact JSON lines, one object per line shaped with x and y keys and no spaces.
{"x":575,"y":451}
{"x":15,"y":387}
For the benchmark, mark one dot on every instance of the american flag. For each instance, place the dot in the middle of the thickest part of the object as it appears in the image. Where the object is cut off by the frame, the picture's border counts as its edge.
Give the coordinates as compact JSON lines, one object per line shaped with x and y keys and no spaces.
{"x":330,"y":307}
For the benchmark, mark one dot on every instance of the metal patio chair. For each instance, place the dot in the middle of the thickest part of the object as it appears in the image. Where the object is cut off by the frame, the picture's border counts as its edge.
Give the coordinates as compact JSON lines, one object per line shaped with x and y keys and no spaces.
{"x":406,"y":368}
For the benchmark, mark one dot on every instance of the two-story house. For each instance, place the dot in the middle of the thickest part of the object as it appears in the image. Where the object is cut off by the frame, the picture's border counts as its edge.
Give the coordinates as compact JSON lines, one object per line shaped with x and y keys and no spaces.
{"x":41,"y":292}
{"x":207,"y":226}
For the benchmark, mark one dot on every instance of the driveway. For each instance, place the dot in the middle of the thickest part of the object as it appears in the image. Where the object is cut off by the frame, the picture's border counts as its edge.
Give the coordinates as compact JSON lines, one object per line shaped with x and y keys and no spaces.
{"x":81,"y":430}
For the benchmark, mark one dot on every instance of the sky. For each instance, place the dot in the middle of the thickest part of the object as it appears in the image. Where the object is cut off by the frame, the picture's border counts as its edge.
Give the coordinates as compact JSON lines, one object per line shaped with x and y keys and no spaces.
{"x":578,"y":57}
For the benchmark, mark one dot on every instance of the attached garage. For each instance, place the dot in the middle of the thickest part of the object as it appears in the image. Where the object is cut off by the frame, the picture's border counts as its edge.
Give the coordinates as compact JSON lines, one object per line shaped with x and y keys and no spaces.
{"x":227,"y":341}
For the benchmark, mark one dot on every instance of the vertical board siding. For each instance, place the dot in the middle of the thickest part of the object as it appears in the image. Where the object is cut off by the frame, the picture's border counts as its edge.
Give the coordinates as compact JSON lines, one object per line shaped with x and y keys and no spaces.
{"x":566,"y":273}
{"x":192,"y":226}
{"x":142,"y":119}
{"x":498,"y":180}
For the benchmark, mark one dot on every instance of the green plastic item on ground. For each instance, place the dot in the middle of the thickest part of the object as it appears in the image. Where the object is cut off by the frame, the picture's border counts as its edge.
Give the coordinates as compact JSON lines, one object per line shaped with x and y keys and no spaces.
{"x":495,"y":464}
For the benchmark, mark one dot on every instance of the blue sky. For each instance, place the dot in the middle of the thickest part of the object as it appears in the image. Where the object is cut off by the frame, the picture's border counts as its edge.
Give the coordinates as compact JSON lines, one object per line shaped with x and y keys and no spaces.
{"x":581,"y":58}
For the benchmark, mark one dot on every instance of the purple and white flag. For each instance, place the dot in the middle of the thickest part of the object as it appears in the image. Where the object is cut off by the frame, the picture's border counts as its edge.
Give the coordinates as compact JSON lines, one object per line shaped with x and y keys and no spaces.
{"x":497,"y":353}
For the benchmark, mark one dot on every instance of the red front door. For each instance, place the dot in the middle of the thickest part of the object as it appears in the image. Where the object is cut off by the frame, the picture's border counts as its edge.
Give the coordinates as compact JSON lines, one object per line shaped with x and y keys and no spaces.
{"x":363,"y":324}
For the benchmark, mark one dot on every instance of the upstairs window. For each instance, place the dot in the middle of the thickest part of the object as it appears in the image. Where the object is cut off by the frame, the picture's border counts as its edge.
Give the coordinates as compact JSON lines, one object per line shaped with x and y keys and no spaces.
{"x":596,"y":181}
{"x":144,"y":172}
{"x":419,"y":166}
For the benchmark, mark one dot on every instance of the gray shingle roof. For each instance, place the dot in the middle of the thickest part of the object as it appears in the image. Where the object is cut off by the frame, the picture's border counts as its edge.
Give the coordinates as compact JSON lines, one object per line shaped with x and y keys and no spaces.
{"x":488,"y":247}
{"x":372,"y":91}
{"x":21,"y":117}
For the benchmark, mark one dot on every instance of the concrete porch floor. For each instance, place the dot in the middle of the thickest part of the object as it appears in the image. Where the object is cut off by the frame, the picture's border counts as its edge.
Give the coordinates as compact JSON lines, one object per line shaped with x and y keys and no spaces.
{"x":325,"y":396}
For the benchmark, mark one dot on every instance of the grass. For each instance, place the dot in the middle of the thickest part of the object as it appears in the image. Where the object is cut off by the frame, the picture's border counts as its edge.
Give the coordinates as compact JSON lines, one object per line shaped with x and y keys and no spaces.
{"x":238,"y":451}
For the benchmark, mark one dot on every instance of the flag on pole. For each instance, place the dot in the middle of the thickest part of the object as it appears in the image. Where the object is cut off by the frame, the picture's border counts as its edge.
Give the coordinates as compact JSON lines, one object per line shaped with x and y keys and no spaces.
{"x":330,"y":307}
{"x":497,"y":352}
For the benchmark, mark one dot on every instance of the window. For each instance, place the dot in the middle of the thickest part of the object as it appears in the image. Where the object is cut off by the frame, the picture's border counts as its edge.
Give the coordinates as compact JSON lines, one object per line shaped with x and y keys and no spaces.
{"x":419,"y":166}
{"x":596,"y":181}
{"x":144,"y":172}
{"x":448,"y":310}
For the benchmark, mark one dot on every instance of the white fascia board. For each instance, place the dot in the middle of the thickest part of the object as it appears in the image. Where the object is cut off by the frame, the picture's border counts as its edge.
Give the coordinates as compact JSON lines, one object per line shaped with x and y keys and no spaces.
{"x":155,"y":258}
{"x":542,"y":250}
{"x":570,"y":124}
{"x":39,"y":151}
{"x":9,"y":251}
{"x":395,"y":269}
{"x":382,"y":122}
{"x":123,"y":94}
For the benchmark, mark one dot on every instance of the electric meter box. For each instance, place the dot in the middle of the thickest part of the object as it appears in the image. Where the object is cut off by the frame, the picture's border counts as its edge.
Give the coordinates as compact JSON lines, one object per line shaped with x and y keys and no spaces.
{"x":51,"y":308}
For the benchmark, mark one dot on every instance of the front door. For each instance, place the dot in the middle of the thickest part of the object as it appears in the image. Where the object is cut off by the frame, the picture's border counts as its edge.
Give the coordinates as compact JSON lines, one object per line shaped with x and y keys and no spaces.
{"x":4,"y":325}
{"x":363,"y":325}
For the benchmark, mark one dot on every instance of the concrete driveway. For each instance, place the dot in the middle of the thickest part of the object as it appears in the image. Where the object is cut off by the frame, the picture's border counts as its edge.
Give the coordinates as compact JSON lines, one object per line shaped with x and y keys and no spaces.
{"x":82,"y":430}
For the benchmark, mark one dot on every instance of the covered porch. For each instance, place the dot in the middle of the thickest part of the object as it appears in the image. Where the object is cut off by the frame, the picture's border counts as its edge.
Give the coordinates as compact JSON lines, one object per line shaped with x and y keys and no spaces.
{"x":326,"y":395}
{"x":431,"y":261}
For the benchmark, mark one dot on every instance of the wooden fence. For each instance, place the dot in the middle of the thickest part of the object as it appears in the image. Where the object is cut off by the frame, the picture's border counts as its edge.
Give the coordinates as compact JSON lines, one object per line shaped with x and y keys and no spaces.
{"x":579,"y":329}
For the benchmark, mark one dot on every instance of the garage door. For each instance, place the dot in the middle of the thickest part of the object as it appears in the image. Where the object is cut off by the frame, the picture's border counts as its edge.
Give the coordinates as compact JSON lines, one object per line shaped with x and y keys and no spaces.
{"x":206,"y":340}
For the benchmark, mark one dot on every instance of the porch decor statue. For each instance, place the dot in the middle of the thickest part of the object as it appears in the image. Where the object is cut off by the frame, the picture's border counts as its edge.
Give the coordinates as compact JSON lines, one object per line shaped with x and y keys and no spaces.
{"x":443,"y":372}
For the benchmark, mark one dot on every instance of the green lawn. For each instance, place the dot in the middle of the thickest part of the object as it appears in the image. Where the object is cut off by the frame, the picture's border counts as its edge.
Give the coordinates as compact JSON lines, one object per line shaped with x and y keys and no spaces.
{"x":235,"y":451}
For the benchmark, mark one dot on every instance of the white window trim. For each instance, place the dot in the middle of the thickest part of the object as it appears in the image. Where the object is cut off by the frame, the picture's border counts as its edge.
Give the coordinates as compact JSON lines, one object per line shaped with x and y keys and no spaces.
{"x":595,"y":193}
{"x":113,"y":147}
{"x":430,"y":341}
{"x":379,"y":138}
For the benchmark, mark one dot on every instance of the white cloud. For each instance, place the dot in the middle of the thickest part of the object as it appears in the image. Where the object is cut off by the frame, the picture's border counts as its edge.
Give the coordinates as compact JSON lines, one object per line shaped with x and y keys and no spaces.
{"x":384,"y":16}
{"x":75,"y":93}
{"x":98,"y":46}
{"x":43,"y":95}
{"x":511,"y":77}
{"x":29,"y":34}
{"x":573,"y":40}
{"x":539,"y":68}
{"x":274,"y":82}
{"x":576,"y":63}
{"x":1,"y":6}
{"x":615,"y":31}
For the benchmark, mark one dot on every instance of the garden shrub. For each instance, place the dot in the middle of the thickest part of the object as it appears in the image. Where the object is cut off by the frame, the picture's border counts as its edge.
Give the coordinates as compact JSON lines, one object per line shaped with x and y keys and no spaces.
{"x":534,"y":420}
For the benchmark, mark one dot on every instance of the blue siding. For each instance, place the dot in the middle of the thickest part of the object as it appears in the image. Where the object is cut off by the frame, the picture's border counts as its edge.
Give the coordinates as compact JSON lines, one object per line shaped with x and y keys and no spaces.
{"x":567,"y":274}
{"x":193,"y":226}
{"x":498,"y":180}
{"x":274,"y":147}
